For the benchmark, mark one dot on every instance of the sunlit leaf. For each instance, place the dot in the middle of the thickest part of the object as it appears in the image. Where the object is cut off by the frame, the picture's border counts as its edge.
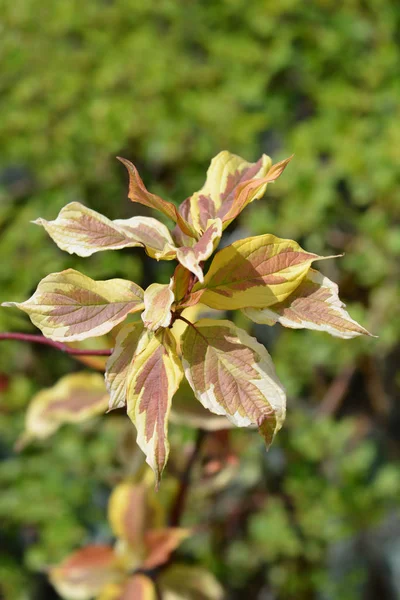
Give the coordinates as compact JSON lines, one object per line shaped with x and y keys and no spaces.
{"x":160,"y":543}
{"x":184,"y":582}
{"x":233,"y":375}
{"x":158,"y":299}
{"x":136,"y":587}
{"x":257,"y":271}
{"x":139,"y":193}
{"x":315,"y":304}
{"x":117,"y":366}
{"x":226,"y":172}
{"x":152,"y":380}
{"x":192,"y":257}
{"x":84,"y":573}
{"x":70,"y":306}
{"x":74,"y":399}
{"x":83,"y":231}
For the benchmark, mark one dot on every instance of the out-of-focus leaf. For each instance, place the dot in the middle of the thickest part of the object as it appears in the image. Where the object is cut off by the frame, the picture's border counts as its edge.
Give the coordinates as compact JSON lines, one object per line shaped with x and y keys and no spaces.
{"x":70,"y":306}
{"x":232,"y":374}
{"x":137,"y":587}
{"x":160,"y":543}
{"x":74,"y":398}
{"x":84,"y":573}
{"x":182,"y":582}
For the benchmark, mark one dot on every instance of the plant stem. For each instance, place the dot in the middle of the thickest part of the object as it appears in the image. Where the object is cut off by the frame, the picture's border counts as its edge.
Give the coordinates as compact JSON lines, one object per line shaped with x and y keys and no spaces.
{"x":40,"y":339}
{"x":178,"y":506}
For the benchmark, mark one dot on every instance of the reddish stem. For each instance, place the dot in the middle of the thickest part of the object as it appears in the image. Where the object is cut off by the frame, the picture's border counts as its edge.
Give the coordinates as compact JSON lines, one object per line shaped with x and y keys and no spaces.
{"x":40,"y":339}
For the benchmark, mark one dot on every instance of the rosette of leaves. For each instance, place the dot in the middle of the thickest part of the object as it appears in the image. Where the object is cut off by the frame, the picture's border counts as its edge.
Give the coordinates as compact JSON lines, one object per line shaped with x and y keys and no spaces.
{"x":141,"y":556}
{"x":271,"y":279}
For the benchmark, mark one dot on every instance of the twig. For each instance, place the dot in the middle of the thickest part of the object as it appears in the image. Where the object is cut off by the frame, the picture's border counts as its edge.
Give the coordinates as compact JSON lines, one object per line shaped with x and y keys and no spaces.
{"x":40,"y":339}
{"x":336,"y":392}
{"x":178,"y":506}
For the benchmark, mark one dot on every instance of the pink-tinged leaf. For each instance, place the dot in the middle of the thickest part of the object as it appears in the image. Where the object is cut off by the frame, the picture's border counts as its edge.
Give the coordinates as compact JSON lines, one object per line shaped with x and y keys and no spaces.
{"x":233,"y":375}
{"x":226,"y":172}
{"x":184,"y":582}
{"x":82,"y":231}
{"x":252,"y":190}
{"x":257,"y":271}
{"x":192,"y":257}
{"x":158,"y":299}
{"x":186,"y":410}
{"x":85,"y":573}
{"x":136,"y":587}
{"x":315,"y":304}
{"x":130,"y":513}
{"x":74,"y":399}
{"x":160,"y":543}
{"x":138,"y":193}
{"x":126,"y":344}
{"x":182,"y":279}
{"x":69,"y":306}
{"x":153,"y":378}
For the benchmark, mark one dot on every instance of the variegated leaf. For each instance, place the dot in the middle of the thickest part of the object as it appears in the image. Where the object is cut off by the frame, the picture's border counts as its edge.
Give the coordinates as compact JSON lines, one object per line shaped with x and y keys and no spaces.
{"x":69,"y":306}
{"x":315,"y":304}
{"x":85,"y":573}
{"x":160,"y":543}
{"x":128,"y":513}
{"x":257,"y":271}
{"x":182,"y":279}
{"x":153,"y":378}
{"x":187,"y":582}
{"x":226,"y":172}
{"x":139,"y":193}
{"x":158,"y":299}
{"x":83,"y":231}
{"x":74,"y":399}
{"x":192,"y":257}
{"x":136,"y":587}
{"x":252,"y":190}
{"x":233,"y":375}
{"x":119,"y":362}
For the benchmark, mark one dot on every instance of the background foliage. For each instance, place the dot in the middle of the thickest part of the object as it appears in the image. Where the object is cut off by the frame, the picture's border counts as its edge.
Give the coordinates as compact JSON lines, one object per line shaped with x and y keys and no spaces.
{"x":168,"y":84}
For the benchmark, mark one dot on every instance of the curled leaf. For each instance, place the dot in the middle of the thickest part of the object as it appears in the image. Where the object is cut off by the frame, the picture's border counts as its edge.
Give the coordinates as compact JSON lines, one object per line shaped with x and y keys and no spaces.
{"x":257,"y":271}
{"x":315,"y":304}
{"x":233,"y":375}
{"x":69,"y":306}
{"x":158,"y":299}
{"x":85,"y":573}
{"x":83,"y":231}
{"x":74,"y":399}
{"x":192,"y":257}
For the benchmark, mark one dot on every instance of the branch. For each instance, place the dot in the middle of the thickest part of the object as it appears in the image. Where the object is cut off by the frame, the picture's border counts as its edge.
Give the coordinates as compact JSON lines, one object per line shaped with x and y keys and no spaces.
{"x":178,"y":506}
{"x":40,"y":339}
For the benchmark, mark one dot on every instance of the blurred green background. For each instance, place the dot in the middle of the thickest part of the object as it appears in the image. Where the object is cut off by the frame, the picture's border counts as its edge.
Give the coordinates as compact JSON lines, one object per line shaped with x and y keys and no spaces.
{"x":168,"y":84}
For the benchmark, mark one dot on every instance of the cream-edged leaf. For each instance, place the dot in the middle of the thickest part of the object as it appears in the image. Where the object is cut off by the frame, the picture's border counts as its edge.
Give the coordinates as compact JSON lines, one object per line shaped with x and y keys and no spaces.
{"x":73,"y":399}
{"x":233,"y":375}
{"x":257,"y":271}
{"x":153,"y":378}
{"x":84,"y":573}
{"x":315,"y":304}
{"x":158,"y":299}
{"x":69,"y":306}
{"x":192,"y":257}
{"x":117,"y":366}
{"x":136,"y":587}
{"x":83,"y":231}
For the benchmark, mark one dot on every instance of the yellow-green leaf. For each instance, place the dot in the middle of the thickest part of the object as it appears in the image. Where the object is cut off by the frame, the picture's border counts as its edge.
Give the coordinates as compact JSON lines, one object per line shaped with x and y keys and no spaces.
{"x":226,"y":172}
{"x":117,"y":366}
{"x":82,"y":231}
{"x":184,"y":582}
{"x":158,"y":299}
{"x":315,"y":304}
{"x":69,"y":306}
{"x":136,"y":587}
{"x":139,"y":193}
{"x":153,"y":378}
{"x":74,"y":399}
{"x":85,"y":573}
{"x":191,"y":257}
{"x":233,"y":375}
{"x":257,"y":271}
{"x":128,"y":513}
